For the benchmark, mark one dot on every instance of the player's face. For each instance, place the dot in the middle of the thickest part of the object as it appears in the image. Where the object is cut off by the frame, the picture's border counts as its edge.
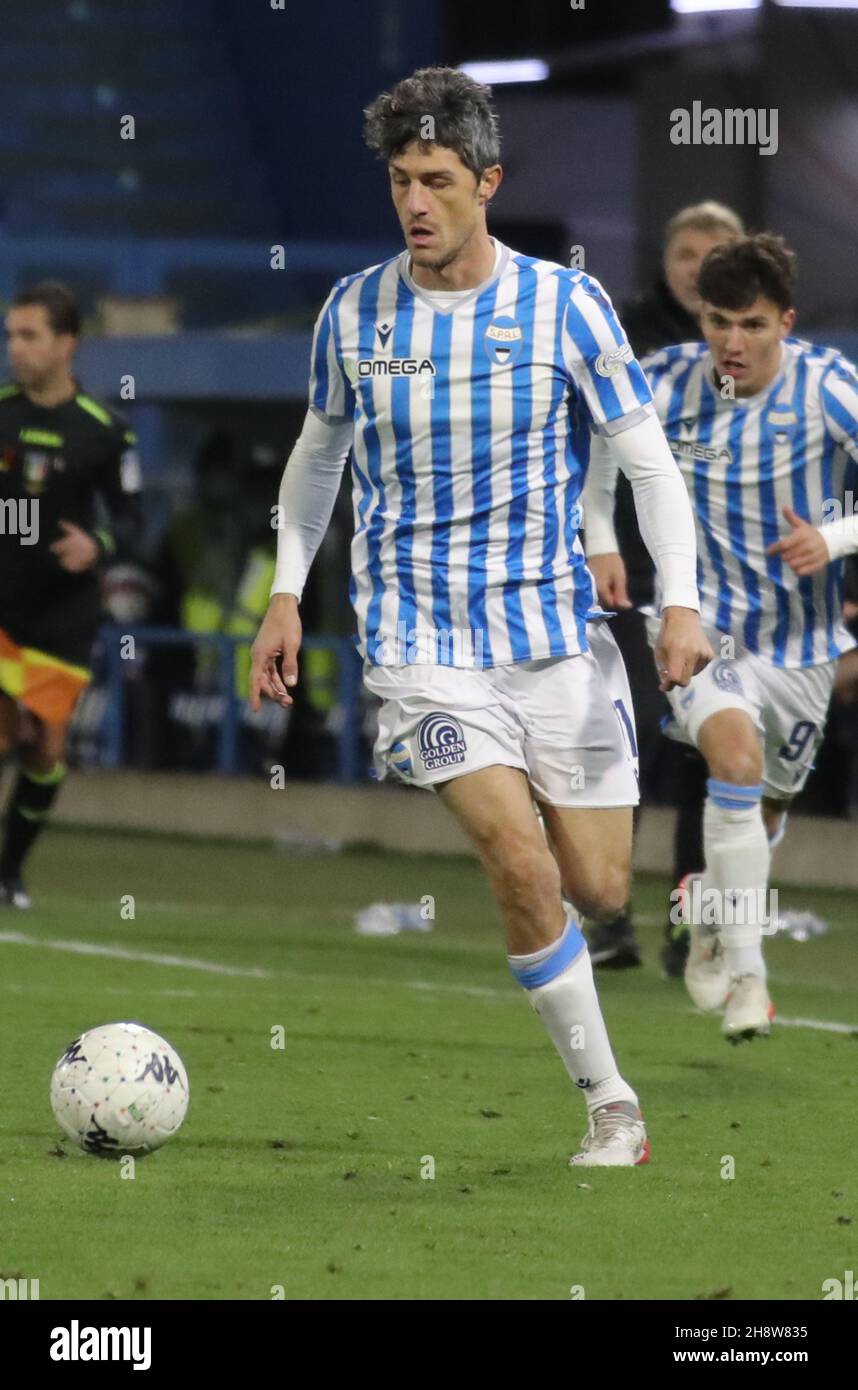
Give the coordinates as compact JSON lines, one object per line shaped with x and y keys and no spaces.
{"x":746,"y":343}
{"x":682,"y":259}
{"x":36,"y":353}
{"x":439,"y":202}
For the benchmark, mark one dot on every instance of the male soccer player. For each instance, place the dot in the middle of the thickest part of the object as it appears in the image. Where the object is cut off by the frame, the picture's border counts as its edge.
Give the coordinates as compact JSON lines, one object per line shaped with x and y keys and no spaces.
{"x":60,"y":451}
{"x":467,"y":379}
{"x":763,"y":426}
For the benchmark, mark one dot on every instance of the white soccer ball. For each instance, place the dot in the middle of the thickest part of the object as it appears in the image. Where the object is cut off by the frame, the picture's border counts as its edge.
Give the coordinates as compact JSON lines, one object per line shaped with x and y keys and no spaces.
{"x":119,"y":1089}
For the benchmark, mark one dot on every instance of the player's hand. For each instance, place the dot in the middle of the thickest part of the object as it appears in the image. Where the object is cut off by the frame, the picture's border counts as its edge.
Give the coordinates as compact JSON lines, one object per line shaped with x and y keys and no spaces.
{"x":609,"y":573}
{"x":76,"y":551}
{"x":274,"y":654}
{"x":804,"y":549}
{"x":682,"y":649}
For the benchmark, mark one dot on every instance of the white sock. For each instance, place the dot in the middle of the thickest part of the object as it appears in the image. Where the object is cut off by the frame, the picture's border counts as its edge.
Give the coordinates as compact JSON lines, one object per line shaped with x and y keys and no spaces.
{"x":560,"y":986}
{"x":746,"y":960}
{"x":737,"y":865}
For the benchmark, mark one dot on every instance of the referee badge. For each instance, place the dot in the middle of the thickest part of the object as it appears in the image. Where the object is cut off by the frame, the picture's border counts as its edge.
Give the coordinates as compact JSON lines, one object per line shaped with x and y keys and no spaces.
{"x":504,"y":341}
{"x":35,"y":469}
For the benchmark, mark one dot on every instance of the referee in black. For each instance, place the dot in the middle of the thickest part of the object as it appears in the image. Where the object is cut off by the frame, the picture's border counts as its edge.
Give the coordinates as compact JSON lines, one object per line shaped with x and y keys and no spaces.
{"x":67,"y":464}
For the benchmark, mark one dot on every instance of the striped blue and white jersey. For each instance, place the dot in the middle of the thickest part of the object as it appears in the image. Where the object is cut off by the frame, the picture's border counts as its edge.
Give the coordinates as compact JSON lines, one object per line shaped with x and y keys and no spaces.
{"x":793,"y":444}
{"x":472,"y":427}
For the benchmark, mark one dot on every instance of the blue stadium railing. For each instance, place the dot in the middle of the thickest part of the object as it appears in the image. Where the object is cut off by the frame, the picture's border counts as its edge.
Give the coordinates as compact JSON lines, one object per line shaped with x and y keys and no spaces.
{"x":116,"y":669}
{"x":135,"y":265}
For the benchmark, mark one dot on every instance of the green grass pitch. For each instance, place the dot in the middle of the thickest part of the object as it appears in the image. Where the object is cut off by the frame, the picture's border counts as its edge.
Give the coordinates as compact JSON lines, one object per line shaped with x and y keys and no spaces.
{"x":302,"y":1167}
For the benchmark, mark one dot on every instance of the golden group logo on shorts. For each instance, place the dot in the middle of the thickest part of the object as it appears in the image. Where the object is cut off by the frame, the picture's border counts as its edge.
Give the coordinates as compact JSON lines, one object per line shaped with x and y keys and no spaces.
{"x":441,"y":741}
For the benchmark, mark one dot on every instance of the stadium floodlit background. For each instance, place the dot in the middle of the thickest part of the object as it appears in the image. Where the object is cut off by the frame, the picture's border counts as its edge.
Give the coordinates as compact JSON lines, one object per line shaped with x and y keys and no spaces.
{"x":195,"y":171}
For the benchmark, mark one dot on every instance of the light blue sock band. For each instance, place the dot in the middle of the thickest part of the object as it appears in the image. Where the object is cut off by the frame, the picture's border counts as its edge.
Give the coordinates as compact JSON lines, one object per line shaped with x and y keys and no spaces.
{"x":567,"y":948}
{"x":733,"y":798}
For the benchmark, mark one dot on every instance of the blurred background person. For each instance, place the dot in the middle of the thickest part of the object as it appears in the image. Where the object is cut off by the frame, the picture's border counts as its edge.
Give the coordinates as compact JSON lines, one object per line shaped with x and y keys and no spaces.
{"x":665,"y":314}
{"x":844,"y":705}
{"x":62,"y":453}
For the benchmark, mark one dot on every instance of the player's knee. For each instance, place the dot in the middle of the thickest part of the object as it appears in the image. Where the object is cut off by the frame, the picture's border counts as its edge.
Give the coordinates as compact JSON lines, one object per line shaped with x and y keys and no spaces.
{"x":603,"y":900}
{"x":526,"y":876}
{"x":741,"y":765}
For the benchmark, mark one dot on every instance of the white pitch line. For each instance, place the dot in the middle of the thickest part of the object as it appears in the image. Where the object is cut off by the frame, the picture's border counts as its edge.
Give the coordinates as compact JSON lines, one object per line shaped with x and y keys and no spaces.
{"x":821,"y":1025}
{"x":480,"y":991}
{"x":87,"y":948}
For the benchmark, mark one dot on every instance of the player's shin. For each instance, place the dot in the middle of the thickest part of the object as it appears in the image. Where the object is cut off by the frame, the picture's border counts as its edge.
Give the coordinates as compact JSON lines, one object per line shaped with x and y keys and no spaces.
{"x":560,"y":986}
{"x":735,"y":883}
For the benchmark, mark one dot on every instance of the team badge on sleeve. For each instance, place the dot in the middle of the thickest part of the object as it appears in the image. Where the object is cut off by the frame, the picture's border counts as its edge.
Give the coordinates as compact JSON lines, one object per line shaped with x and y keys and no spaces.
{"x":609,"y":363}
{"x":504,"y":341}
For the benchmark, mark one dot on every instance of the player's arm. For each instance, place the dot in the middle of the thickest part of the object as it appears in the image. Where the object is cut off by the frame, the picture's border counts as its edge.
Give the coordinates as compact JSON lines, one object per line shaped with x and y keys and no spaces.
{"x":667,"y":528}
{"x":598,"y":501}
{"x":308,"y":491}
{"x":808,"y":549}
{"x":118,"y":488}
{"x":618,"y":399}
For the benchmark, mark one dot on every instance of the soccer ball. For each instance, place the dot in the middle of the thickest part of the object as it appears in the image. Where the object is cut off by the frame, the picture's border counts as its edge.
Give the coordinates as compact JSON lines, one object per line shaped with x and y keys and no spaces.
{"x":119,"y":1089}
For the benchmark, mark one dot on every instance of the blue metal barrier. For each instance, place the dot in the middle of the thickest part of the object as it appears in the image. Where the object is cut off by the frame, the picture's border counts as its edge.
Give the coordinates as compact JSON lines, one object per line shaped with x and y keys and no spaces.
{"x":135,"y":265}
{"x":113,"y":636}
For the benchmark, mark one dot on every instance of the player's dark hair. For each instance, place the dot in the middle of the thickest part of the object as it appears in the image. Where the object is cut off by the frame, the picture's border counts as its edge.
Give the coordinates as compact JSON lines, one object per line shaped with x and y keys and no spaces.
{"x":59,"y":303}
{"x":436,"y":106}
{"x":737,"y":272}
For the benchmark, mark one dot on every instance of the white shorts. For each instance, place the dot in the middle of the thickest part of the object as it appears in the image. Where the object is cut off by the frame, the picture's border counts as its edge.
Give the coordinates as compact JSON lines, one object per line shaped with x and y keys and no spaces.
{"x":566,"y":721}
{"x":788,"y":707}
